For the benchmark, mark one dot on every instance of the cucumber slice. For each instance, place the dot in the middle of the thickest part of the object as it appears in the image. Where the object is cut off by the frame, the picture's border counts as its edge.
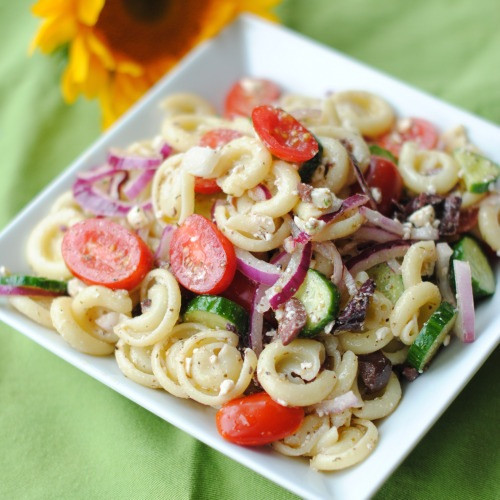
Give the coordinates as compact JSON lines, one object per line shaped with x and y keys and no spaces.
{"x":321,"y":299}
{"x":431,"y":336}
{"x":218,"y":313}
{"x":307,"y":169}
{"x":376,"y":150}
{"x":478,"y":171}
{"x":483,"y":278}
{"x":387,"y":281}
{"x":35,"y":282}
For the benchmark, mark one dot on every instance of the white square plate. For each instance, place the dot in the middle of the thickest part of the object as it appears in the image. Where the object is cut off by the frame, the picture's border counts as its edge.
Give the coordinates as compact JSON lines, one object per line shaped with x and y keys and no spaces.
{"x":257,"y":48}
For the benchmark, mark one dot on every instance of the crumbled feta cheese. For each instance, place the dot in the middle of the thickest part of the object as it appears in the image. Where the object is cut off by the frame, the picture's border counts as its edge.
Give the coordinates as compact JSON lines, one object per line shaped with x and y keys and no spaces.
{"x":311,"y":226}
{"x":329,"y":327}
{"x":323,"y":198}
{"x":423,"y":217}
{"x":137,"y":218}
{"x":407,"y":230}
{"x":75,"y":286}
{"x":200,"y":160}
{"x":377,"y":194}
{"x":225,"y":387}
{"x":446,"y":341}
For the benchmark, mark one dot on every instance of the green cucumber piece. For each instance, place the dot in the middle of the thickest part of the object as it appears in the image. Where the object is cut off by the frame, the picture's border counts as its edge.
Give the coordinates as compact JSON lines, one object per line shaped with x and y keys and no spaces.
{"x":35,"y":282}
{"x":483,"y":278}
{"x":321,"y":300}
{"x":307,"y":168}
{"x":387,"y":281}
{"x":478,"y":171}
{"x":431,"y":336}
{"x":376,"y":150}
{"x":217,"y":313}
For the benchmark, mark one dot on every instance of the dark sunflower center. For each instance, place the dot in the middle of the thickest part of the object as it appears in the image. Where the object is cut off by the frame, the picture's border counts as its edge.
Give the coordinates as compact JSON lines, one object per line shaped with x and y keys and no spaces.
{"x":146,"y":10}
{"x":147,"y":30}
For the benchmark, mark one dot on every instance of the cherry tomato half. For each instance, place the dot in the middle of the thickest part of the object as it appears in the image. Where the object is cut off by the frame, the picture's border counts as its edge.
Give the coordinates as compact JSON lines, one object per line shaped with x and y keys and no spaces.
{"x":283,"y":135}
{"x":248,"y":93}
{"x":102,"y":252}
{"x":256,"y":420}
{"x":201,"y":257}
{"x":384,"y":175}
{"x":217,"y":137}
{"x":420,"y":131}
{"x":206,"y":186}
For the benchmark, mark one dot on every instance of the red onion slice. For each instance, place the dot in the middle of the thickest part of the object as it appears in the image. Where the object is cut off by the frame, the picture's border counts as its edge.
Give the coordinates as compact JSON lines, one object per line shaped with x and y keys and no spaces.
{"x":137,"y":186}
{"x":257,"y":270}
{"x":116,"y":184}
{"x":374,"y":234}
{"x":121,"y":160}
{"x":338,"y":404}
{"x":261,"y":192}
{"x":360,"y":178}
{"x":165,"y":150}
{"x":464,"y":325}
{"x":354,"y":201}
{"x":27,"y":290}
{"x":162,"y":253}
{"x":289,"y":281}
{"x":377,"y":254}
{"x":379,"y":220}
{"x":91,"y":198}
{"x":255,"y":337}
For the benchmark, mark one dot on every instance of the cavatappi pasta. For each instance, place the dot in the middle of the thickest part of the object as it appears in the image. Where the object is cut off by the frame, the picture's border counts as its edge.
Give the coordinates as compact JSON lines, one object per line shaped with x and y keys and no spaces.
{"x":344,"y":371}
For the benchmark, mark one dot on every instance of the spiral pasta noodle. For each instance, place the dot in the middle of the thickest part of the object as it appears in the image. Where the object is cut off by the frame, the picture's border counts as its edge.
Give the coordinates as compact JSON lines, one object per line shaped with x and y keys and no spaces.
{"x":157,"y":321}
{"x":211,"y":369}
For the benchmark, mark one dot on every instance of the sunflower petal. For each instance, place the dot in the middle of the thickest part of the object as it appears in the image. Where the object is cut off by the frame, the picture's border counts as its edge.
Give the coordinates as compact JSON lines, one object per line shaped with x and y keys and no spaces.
{"x":96,"y":80}
{"x":88,"y":11}
{"x":51,"y":8}
{"x":78,"y":60}
{"x":70,"y":89}
{"x":101,"y":51}
{"x":53,"y":33}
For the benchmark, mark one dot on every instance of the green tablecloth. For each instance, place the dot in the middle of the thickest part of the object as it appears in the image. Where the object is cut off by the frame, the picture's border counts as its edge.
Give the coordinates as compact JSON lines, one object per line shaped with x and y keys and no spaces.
{"x":65,"y":435}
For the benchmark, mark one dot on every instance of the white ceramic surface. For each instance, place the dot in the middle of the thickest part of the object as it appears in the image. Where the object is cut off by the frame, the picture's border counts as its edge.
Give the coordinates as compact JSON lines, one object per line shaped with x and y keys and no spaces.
{"x":257,"y":48}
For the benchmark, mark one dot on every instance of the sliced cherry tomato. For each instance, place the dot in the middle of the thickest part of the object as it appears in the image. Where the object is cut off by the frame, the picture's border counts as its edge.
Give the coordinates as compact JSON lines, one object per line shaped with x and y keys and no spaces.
{"x":283,"y":135}
{"x":257,"y":420}
{"x":206,"y":186}
{"x":384,"y":175}
{"x":102,"y":252}
{"x":217,"y":137}
{"x":420,"y":131}
{"x":248,"y":93}
{"x":213,"y":139}
{"x":201,"y":257}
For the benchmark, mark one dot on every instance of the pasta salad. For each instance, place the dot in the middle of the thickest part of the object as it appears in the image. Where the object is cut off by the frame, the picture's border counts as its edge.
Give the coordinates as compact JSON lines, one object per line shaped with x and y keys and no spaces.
{"x":288,"y":263}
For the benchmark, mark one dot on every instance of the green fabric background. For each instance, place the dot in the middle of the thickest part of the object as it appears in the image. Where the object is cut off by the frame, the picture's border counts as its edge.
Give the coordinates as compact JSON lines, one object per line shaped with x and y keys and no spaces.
{"x":65,"y":435}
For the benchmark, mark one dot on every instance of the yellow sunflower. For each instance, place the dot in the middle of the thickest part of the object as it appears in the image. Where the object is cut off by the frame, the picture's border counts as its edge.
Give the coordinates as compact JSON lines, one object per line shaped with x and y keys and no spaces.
{"x":118,"y":48}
